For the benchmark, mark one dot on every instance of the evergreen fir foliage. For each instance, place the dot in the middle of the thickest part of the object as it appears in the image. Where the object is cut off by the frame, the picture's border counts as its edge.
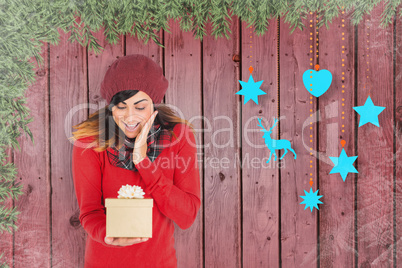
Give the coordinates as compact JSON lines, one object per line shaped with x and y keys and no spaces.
{"x":26,"y":25}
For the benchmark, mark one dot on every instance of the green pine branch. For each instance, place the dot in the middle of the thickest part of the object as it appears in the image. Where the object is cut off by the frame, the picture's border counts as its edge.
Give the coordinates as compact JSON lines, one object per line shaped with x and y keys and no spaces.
{"x":3,"y":265}
{"x":8,"y":217}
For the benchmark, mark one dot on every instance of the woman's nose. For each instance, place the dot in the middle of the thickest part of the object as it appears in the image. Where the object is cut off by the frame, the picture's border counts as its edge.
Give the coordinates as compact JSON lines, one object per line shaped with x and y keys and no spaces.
{"x":130,"y":114}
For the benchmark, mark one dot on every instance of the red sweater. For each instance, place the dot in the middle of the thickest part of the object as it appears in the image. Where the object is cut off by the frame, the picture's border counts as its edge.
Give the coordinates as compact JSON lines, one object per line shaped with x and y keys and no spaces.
{"x":172,"y":180}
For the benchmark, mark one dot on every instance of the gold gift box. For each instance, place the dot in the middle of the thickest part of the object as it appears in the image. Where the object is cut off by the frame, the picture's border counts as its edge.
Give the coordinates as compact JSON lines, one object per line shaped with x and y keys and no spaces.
{"x":128,"y":217}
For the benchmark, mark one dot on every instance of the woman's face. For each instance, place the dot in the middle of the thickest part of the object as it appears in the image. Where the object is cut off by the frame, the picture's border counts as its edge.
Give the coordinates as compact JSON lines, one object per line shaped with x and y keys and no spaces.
{"x":132,"y":114}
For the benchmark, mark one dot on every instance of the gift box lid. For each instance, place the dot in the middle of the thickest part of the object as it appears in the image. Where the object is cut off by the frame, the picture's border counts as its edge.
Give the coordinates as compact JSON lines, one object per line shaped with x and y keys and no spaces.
{"x":123,"y":202}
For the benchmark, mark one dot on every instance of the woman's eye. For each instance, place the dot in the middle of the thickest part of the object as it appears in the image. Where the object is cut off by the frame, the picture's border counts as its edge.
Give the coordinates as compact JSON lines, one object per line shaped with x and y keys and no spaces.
{"x":121,"y":108}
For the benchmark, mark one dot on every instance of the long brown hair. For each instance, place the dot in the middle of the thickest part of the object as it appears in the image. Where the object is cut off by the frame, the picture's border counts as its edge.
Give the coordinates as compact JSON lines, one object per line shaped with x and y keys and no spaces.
{"x":101,"y":126}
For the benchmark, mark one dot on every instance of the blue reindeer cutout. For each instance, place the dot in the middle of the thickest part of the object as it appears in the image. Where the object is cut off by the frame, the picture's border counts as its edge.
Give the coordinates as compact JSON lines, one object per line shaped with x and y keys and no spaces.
{"x":275,"y":144}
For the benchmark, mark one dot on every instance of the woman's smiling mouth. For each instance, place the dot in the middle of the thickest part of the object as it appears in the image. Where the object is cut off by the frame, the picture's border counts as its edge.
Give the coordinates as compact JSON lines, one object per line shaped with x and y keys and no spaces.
{"x":131,"y":127}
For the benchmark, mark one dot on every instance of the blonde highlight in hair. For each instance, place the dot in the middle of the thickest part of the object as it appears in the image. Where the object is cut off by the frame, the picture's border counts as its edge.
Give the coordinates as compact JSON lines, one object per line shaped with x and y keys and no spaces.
{"x":106,"y":133}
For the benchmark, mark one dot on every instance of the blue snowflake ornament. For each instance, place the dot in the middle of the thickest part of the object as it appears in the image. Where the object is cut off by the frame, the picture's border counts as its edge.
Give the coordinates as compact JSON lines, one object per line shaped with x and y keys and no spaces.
{"x":343,"y":164}
{"x":251,"y":90}
{"x":311,"y":199}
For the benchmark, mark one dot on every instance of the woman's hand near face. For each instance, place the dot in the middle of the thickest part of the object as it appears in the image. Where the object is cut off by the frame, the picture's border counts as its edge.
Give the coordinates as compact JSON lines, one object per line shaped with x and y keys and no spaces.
{"x":124,"y":241}
{"x":140,"y":146}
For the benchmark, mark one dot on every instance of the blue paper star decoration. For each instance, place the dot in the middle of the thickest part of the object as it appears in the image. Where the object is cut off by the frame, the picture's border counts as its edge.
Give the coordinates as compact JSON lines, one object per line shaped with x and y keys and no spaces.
{"x":369,"y":113}
{"x":311,"y":199}
{"x":251,"y":90}
{"x":343,"y":164}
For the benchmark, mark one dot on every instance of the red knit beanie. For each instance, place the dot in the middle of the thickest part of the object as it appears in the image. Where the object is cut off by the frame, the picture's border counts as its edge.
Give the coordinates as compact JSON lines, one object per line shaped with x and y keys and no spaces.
{"x":136,"y":72}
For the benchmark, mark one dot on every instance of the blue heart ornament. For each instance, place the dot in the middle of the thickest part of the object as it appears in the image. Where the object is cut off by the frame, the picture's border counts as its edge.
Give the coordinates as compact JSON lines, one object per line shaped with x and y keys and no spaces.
{"x":317,"y":82}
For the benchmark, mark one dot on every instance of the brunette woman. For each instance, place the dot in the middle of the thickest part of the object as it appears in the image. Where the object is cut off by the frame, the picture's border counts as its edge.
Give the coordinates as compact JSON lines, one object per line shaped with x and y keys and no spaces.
{"x":137,"y":141}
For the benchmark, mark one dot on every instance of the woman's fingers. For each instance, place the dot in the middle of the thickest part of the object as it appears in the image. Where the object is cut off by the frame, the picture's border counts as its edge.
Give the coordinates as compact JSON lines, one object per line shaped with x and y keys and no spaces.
{"x":142,"y":136}
{"x":124,"y":241}
{"x":108,"y":240}
{"x":148,"y":125}
{"x":140,"y":146}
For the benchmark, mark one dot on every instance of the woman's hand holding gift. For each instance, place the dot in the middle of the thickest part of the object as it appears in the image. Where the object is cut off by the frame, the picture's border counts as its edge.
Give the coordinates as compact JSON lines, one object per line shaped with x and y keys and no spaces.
{"x":124,"y":241}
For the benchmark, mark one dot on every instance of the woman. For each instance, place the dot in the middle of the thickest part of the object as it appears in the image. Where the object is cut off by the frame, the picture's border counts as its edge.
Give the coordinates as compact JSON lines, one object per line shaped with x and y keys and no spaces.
{"x":131,"y":141}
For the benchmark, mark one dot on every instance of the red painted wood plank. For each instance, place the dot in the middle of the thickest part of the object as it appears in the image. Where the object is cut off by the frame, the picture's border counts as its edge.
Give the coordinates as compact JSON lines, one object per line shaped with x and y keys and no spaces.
{"x":398,"y":144}
{"x":221,"y":185}
{"x":183,"y":71}
{"x":6,"y":238}
{"x":32,"y":240}
{"x":151,"y":49}
{"x":337,"y":123}
{"x":97,"y":67}
{"x":375,"y":144}
{"x":298,"y":225}
{"x":68,"y":89}
{"x":260,"y":183}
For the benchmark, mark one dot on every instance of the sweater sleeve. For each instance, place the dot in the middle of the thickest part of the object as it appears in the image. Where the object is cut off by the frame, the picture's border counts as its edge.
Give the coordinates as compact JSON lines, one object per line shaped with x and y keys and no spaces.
{"x":178,"y":200}
{"x":87,"y":176}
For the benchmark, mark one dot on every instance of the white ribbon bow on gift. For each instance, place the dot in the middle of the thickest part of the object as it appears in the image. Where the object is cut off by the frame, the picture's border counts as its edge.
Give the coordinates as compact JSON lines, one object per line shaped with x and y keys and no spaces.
{"x":128,"y":191}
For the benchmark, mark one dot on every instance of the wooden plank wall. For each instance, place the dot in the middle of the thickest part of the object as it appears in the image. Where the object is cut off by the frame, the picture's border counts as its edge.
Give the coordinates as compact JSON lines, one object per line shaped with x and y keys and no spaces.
{"x":250,"y":214}
{"x":337,"y":218}
{"x":32,"y":242}
{"x":183,"y":68}
{"x":260,"y":184}
{"x":375,"y":145}
{"x":398,"y":145}
{"x":68,"y":88}
{"x":298,"y":248}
